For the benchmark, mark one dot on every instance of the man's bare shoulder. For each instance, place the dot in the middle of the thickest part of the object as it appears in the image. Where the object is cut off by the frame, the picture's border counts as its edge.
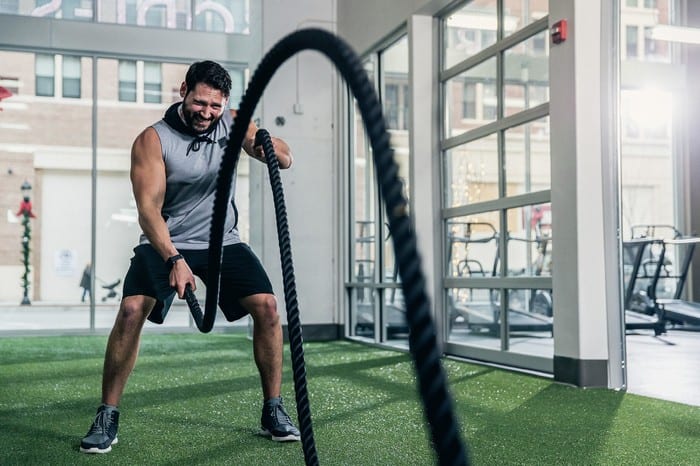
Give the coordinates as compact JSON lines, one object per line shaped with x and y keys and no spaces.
{"x":147,"y":141}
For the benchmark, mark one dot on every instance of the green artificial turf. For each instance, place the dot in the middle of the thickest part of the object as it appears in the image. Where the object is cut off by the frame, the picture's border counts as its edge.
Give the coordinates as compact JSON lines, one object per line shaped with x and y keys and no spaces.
{"x":195,"y":399}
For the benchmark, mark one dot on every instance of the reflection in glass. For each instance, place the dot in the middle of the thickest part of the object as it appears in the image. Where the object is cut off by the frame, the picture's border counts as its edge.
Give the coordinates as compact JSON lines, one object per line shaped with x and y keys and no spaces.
{"x":394,"y":79}
{"x":51,"y":150}
{"x":641,"y":26}
{"x":471,"y":172}
{"x":472,"y":245}
{"x":394,"y":314}
{"x":127,"y":81}
{"x":362,"y":306}
{"x":527,"y":158}
{"x":172,"y":15}
{"x":471,"y":98}
{"x":520,"y":13}
{"x":652,"y":146}
{"x":364,"y":228}
{"x":71,"y":76}
{"x":530,"y":241}
{"x":152,"y":81}
{"x":230,"y":16}
{"x":526,"y":74}
{"x":469,"y":30}
{"x":44,"y":75}
{"x":474,"y":318}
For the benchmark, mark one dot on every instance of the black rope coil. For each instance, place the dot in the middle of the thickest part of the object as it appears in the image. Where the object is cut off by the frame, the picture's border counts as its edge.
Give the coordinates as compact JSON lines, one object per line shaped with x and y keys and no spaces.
{"x":296,"y":345}
{"x":432,"y":381}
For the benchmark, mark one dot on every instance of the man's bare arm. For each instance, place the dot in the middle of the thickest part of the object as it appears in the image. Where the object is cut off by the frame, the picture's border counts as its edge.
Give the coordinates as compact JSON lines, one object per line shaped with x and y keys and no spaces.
{"x":282,"y":150}
{"x":148,"y":182}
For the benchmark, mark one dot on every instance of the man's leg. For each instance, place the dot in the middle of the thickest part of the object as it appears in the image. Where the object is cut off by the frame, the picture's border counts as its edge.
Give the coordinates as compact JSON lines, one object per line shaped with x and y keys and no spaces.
{"x":123,"y":346}
{"x":120,"y":357}
{"x":267,"y":349}
{"x":267,"y":341}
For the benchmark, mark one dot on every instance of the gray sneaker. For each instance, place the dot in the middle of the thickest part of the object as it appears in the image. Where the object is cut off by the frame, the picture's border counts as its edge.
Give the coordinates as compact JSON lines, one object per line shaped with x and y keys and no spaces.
{"x":103,"y":432}
{"x":276,"y":423}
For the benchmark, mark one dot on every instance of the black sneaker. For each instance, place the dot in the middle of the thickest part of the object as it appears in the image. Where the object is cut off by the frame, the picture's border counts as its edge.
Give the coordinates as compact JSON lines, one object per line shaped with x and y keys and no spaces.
{"x":103,"y":432}
{"x":276,"y":423}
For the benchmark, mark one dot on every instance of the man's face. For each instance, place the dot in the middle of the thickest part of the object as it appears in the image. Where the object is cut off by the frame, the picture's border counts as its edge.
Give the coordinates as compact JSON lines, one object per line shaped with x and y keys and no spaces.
{"x":202,"y":106}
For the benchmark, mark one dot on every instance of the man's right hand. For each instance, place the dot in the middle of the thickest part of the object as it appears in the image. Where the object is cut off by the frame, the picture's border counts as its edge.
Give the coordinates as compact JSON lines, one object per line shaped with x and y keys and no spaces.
{"x":181,"y":276}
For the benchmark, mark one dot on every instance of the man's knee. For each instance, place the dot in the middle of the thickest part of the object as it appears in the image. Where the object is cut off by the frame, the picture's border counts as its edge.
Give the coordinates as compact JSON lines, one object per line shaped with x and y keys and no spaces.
{"x":265,"y":309}
{"x":132,"y":313}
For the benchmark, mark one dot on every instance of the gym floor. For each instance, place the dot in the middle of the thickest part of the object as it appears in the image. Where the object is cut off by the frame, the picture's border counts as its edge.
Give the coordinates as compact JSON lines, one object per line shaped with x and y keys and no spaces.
{"x":664,"y":367}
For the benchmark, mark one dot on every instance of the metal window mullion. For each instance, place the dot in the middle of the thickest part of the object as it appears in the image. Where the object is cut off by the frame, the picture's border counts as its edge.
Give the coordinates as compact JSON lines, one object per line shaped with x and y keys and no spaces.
{"x":373,"y":286}
{"x":352,"y":238}
{"x":502,"y":237}
{"x":521,"y":200}
{"x":93,"y":194}
{"x":518,"y":283}
{"x":378,"y":216}
{"x":520,"y":118}
{"x":501,"y":44}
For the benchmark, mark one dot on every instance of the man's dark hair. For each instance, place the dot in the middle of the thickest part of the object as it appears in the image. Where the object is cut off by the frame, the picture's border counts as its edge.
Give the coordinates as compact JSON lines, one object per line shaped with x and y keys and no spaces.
{"x":210,"y":73}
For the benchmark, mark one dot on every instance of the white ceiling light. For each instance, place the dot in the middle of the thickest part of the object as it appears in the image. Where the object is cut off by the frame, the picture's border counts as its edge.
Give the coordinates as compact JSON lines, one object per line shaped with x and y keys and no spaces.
{"x":676,"y":34}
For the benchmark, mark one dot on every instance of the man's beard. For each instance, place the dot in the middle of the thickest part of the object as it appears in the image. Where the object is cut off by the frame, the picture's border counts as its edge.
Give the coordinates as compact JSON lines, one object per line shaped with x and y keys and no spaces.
{"x":191,"y":120}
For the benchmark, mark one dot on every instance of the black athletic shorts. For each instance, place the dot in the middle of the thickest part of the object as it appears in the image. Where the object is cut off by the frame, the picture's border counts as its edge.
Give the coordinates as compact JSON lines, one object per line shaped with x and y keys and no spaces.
{"x":242,"y":275}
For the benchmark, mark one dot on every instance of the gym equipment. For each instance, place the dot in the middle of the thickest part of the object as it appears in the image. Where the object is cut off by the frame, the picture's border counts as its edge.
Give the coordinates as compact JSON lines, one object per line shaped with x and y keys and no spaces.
{"x":525,"y":313}
{"x":638,"y":270}
{"x":654,"y":288}
{"x":422,"y":336}
{"x":675,"y":309}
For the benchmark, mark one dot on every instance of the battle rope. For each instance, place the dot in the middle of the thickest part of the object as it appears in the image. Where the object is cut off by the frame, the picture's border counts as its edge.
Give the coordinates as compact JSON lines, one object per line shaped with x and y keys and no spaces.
{"x":290,"y":296}
{"x":422,"y":339}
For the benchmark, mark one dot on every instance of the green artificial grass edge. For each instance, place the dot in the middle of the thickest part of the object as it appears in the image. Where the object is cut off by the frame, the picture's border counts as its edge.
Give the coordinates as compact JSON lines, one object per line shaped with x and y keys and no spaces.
{"x":195,"y":399}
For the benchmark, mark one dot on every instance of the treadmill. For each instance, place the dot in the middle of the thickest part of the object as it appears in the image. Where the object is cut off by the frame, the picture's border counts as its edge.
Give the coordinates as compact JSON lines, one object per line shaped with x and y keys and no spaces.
{"x":674,"y":309}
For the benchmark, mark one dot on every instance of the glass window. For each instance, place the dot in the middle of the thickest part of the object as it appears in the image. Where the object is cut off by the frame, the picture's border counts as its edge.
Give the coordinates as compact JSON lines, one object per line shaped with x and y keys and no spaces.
{"x":631,"y":41}
{"x":474,"y":316}
{"x":471,"y":172}
{"x":631,"y":3}
{"x":59,"y":176}
{"x":71,"y":77}
{"x":472,"y":245}
{"x":371,"y":247}
{"x":469,"y":30}
{"x":469,"y":100}
{"x":364,"y":215}
{"x":44,"y":75}
{"x":127,"y":81}
{"x":527,"y":158}
{"x":519,"y":13}
{"x":483,"y":176}
{"x":148,"y":13}
{"x":482,"y":80}
{"x":152,"y":80}
{"x":230,"y":16}
{"x":525,"y":67}
{"x":9,"y":6}
{"x":529,"y":241}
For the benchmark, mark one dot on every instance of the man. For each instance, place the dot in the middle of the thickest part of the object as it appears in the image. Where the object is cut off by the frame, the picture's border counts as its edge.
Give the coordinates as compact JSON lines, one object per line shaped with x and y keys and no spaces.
{"x":174,"y":165}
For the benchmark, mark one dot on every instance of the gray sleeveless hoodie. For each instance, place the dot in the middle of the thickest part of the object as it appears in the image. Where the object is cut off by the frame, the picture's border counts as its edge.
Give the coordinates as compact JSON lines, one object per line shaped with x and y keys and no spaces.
{"x":192,"y":163}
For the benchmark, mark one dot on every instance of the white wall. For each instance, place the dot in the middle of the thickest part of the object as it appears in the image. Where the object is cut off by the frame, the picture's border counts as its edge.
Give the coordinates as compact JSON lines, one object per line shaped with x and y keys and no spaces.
{"x":309,"y":80}
{"x":364,"y":23}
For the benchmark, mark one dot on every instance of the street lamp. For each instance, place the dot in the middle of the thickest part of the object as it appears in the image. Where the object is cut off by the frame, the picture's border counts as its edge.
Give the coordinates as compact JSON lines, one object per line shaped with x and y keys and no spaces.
{"x":25,"y":210}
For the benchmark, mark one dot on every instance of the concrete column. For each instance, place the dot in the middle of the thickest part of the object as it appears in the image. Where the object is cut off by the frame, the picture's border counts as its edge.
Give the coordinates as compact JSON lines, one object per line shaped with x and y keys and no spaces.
{"x":425,"y":153}
{"x":299,"y":107}
{"x":586,"y":270}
